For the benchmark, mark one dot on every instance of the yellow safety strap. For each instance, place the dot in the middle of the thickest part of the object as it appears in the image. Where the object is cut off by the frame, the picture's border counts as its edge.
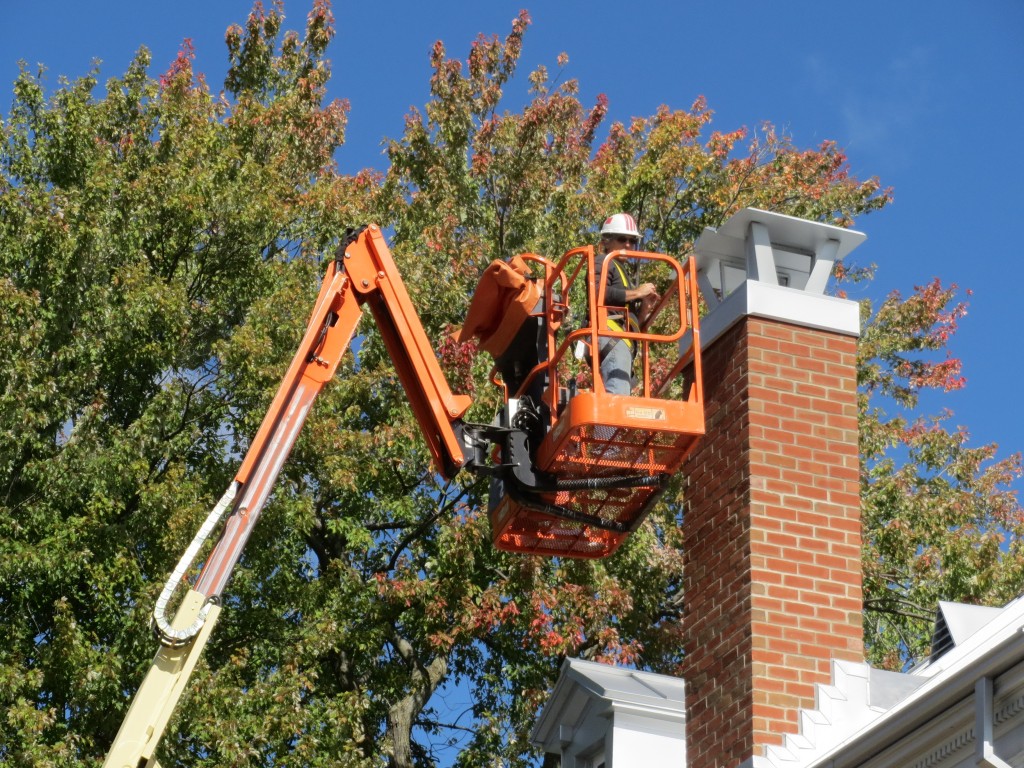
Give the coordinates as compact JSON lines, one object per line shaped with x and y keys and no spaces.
{"x":615,"y":325}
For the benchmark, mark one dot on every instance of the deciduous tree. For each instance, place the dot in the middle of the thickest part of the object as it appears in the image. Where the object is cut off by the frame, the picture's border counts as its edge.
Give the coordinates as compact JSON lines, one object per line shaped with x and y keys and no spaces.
{"x":161,"y":246}
{"x":941,"y":519}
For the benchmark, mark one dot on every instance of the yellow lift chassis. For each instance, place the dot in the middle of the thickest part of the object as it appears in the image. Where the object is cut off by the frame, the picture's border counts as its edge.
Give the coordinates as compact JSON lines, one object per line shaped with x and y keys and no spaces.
{"x":159,"y":693}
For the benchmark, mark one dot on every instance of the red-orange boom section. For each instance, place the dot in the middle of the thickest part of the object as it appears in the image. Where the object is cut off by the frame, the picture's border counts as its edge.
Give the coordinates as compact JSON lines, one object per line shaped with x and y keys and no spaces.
{"x":363,"y":273}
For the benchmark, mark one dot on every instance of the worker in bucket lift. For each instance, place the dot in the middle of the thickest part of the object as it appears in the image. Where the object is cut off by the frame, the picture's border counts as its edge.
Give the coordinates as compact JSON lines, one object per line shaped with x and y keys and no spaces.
{"x":628,"y":305}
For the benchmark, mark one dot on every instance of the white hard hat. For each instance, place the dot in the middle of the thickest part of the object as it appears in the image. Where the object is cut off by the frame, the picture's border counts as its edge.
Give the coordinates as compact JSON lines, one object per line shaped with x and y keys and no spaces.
{"x":620,"y":224}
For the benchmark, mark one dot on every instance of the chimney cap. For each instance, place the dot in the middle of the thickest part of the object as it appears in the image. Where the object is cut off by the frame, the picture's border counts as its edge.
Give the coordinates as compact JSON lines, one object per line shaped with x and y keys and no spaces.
{"x":787,"y":232}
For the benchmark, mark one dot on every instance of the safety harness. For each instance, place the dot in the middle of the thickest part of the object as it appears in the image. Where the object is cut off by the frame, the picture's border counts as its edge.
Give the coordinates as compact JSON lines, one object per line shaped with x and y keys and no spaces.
{"x":615,"y":322}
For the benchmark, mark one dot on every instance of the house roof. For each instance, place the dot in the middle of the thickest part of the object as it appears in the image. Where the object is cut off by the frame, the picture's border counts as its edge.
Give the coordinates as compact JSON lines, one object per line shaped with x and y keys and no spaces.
{"x":946,"y":683}
{"x":587,"y":691}
{"x":865,"y":718}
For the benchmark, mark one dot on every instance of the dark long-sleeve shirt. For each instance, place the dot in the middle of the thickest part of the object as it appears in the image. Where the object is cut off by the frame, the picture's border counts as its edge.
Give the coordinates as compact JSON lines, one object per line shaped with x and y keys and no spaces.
{"x":618,"y":283}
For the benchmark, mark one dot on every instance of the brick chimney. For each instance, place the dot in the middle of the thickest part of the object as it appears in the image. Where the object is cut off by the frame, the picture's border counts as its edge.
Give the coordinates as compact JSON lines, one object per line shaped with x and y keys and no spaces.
{"x":772,"y":517}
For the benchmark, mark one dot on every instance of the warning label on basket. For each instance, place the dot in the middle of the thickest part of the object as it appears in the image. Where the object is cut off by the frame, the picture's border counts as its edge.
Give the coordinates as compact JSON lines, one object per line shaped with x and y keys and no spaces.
{"x":656,"y":414}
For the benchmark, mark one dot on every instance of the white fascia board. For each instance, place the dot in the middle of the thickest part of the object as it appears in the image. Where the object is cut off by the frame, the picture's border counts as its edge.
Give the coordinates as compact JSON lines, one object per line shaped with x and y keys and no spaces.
{"x":646,"y":718}
{"x":564,"y":706}
{"x":787,"y":305}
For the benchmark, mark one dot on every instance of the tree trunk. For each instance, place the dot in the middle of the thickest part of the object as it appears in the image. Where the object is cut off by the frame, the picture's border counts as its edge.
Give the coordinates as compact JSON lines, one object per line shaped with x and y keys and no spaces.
{"x":402,"y":715}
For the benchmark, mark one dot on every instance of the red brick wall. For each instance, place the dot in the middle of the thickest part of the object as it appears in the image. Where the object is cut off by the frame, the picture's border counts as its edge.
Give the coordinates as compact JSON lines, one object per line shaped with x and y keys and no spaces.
{"x":772,"y":531}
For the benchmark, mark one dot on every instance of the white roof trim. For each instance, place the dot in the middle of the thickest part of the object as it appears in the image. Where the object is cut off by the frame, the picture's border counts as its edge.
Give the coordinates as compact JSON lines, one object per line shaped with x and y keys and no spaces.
{"x":951,"y":678}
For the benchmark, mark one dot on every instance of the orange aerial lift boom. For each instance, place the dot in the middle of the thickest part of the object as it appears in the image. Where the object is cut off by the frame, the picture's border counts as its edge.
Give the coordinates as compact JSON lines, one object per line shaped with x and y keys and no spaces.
{"x":573,"y":469}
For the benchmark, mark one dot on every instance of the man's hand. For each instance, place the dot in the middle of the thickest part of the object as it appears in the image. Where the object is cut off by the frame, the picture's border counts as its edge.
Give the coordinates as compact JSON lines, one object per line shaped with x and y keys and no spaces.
{"x":648,"y":296}
{"x":646,"y":292}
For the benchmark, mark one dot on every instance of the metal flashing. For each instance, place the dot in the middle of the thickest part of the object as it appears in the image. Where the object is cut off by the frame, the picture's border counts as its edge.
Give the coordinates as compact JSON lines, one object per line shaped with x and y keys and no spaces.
{"x":776,"y":302}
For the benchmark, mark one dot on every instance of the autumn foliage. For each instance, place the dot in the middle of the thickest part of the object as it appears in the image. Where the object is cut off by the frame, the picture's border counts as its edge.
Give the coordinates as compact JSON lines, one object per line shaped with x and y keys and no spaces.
{"x":160,"y":247}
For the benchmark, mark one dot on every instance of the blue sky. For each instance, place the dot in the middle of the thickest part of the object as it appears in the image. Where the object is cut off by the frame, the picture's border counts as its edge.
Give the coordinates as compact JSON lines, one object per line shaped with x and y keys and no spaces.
{"x":927,"y":96}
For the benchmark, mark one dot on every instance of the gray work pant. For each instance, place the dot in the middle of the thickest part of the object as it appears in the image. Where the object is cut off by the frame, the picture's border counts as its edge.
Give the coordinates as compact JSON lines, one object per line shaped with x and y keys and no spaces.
{"x":616,"y":373}
{"x":616,"y":367}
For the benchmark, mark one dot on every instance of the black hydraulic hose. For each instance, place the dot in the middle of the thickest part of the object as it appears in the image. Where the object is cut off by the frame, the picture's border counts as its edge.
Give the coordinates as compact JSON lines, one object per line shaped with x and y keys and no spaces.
{"x":597,"y":483}
{"x":329,"y":321}
{"x":555,"y":510}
